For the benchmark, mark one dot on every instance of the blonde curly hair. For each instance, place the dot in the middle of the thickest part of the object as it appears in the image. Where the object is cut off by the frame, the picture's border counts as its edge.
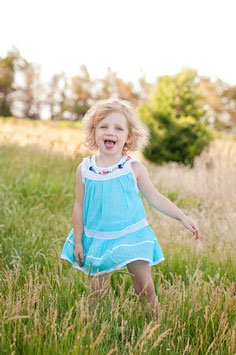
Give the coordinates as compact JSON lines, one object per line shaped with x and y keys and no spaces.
{"x":138,"y":131}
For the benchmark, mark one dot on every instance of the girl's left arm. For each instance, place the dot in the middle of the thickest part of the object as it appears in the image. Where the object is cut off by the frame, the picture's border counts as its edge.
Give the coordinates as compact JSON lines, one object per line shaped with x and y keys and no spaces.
{"x":159,"y":201}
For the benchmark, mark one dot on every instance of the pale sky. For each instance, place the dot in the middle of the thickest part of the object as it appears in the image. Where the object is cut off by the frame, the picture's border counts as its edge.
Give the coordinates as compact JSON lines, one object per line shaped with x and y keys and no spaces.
{"x":130,"y":36}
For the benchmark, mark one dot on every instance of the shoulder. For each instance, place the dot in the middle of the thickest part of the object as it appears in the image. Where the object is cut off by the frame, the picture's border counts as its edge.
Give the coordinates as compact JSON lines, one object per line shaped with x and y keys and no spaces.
{"x":82,"y":168}
{"x":79,"y":171}
{"x":85,"y":163}
{"x":139,"y":169}
{"x":80,"y":188}
{"x":144,"y":182}
{"x":79,"y":168}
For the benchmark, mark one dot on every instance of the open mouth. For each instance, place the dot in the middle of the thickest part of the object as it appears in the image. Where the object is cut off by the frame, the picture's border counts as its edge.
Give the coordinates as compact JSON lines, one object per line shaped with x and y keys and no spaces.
{"x":109,"y":143}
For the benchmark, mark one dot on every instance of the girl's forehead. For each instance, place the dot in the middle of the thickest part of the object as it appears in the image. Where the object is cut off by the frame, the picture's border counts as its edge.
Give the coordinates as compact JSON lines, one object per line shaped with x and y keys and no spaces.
{"x":115,"y":118}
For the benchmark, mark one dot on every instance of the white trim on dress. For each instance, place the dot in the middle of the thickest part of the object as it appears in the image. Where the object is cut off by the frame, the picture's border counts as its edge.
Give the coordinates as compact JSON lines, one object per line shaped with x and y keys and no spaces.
{"x":119,"y":267}
{"x":127,"y":168}
{"x":109,"y":167}
{"x":122,"y":245}
{"x":116,"y":234}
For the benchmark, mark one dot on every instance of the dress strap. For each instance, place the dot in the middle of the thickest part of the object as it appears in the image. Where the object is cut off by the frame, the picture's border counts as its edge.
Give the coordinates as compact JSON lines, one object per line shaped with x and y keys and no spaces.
{"x":133,"y":159}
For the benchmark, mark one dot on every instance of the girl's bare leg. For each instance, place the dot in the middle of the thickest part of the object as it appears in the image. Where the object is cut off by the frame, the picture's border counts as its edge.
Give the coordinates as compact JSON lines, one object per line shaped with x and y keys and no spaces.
{"x":155,"y":308}
{"x":98,"y":283}
{"x":143,"y":285}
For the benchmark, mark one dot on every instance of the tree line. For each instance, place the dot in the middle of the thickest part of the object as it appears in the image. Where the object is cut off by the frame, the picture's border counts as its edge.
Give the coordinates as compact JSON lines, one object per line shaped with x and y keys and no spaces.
{"x":23,"y":94}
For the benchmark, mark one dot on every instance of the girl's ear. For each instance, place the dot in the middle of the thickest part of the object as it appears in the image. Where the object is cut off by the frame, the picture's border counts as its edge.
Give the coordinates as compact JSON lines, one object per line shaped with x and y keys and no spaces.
{"x":129,"y":138}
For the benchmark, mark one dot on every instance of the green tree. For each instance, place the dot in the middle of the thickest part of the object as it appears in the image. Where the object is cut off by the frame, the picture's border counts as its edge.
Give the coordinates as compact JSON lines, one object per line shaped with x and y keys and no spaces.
{"x":7,"y":73}
{"x":173,"y":117}
{"x":229,"y":97}
{"x":56,"y":96}
{"x":81,"y":87}
{"x":219,"y":99}
{"x":112,"y":85}
{"x":29,"y":93}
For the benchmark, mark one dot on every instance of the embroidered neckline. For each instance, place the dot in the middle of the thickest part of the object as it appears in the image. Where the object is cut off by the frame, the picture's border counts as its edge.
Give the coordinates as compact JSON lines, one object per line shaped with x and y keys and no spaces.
{"x":108,"y":167}
{"x":103,"y":171}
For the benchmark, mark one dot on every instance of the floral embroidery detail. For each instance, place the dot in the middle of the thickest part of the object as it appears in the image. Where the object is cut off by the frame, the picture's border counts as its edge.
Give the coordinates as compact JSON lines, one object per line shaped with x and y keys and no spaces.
{"x":105,"y":172}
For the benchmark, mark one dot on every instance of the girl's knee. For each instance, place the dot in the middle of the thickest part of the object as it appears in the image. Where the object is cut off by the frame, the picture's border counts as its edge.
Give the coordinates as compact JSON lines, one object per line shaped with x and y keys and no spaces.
{"x":141,"y":275}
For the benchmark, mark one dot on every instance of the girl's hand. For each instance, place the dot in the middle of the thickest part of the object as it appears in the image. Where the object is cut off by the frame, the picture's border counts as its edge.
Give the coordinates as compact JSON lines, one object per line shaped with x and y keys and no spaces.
{"x":191,"y":225}
{"x":79,"y":254}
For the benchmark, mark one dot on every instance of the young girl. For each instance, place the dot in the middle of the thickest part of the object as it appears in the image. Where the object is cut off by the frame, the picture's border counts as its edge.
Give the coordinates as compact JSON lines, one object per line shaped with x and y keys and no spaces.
{"x":110,"y":229}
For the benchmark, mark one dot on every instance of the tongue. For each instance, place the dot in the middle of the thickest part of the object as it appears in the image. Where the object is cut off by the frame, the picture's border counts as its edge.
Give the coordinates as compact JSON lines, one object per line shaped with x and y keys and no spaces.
{"x":109,"y":144}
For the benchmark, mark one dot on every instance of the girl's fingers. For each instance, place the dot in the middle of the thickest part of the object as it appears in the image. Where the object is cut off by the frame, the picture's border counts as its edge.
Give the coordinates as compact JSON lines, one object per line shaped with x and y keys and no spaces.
{"x":192,"y":226}
{"x":196,"y":232}
{"x":80,"y":261}
{"x":77,"y":260}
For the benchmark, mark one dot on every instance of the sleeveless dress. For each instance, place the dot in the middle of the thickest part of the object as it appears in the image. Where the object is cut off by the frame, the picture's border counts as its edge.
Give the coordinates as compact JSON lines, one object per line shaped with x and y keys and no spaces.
{"x":116,"y":231}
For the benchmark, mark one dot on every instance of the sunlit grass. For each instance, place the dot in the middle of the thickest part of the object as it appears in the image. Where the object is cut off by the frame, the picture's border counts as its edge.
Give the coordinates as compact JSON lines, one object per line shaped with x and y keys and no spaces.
{"x":37,"y":123}
{"x":44,"y":307}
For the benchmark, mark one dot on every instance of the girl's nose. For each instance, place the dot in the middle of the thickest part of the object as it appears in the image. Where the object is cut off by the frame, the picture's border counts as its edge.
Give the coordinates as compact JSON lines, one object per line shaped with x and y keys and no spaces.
{"x":110,"y":131}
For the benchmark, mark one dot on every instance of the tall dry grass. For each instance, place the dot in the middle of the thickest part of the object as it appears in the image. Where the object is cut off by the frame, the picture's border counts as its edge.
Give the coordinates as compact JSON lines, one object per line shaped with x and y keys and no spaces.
{"x":206,"y":193}
{"x":44,"y":308}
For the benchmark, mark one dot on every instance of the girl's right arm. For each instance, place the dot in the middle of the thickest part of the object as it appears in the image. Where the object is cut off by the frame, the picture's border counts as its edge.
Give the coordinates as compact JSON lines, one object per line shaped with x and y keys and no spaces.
{"x":78,"y":224}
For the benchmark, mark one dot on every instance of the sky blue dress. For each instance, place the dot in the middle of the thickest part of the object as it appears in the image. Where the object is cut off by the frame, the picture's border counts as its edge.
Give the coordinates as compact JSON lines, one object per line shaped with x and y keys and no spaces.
{"x":116,"y":231}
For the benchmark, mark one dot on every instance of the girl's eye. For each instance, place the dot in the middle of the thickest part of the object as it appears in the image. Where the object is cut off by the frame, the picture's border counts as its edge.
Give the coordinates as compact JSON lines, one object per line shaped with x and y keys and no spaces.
{"x":116,"y":128}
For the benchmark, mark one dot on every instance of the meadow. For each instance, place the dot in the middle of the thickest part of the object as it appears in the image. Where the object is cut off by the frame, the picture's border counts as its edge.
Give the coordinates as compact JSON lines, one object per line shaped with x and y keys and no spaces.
{"x":44,"y":308}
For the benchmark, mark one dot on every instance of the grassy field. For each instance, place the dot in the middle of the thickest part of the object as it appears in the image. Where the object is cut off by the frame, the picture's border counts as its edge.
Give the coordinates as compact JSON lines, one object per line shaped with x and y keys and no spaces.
{"x":43,"y":308}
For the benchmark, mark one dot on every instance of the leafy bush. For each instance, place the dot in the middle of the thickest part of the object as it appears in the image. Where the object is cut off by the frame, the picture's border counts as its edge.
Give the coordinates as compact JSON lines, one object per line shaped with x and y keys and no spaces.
{"x":174,"y":120}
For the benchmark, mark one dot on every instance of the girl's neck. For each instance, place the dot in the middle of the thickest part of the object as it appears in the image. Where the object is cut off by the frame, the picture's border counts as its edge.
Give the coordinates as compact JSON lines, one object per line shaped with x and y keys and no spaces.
{"x":106,"y":161}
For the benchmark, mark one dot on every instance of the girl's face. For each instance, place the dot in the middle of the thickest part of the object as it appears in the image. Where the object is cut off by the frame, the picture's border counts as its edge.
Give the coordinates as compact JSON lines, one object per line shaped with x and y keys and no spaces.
{"x":112,"y":133}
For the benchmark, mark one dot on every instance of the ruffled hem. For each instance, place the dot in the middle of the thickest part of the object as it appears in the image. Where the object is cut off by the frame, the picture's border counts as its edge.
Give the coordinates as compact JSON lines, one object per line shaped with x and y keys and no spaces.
{"x":113,"y":268}
{"x":102,"y":256}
